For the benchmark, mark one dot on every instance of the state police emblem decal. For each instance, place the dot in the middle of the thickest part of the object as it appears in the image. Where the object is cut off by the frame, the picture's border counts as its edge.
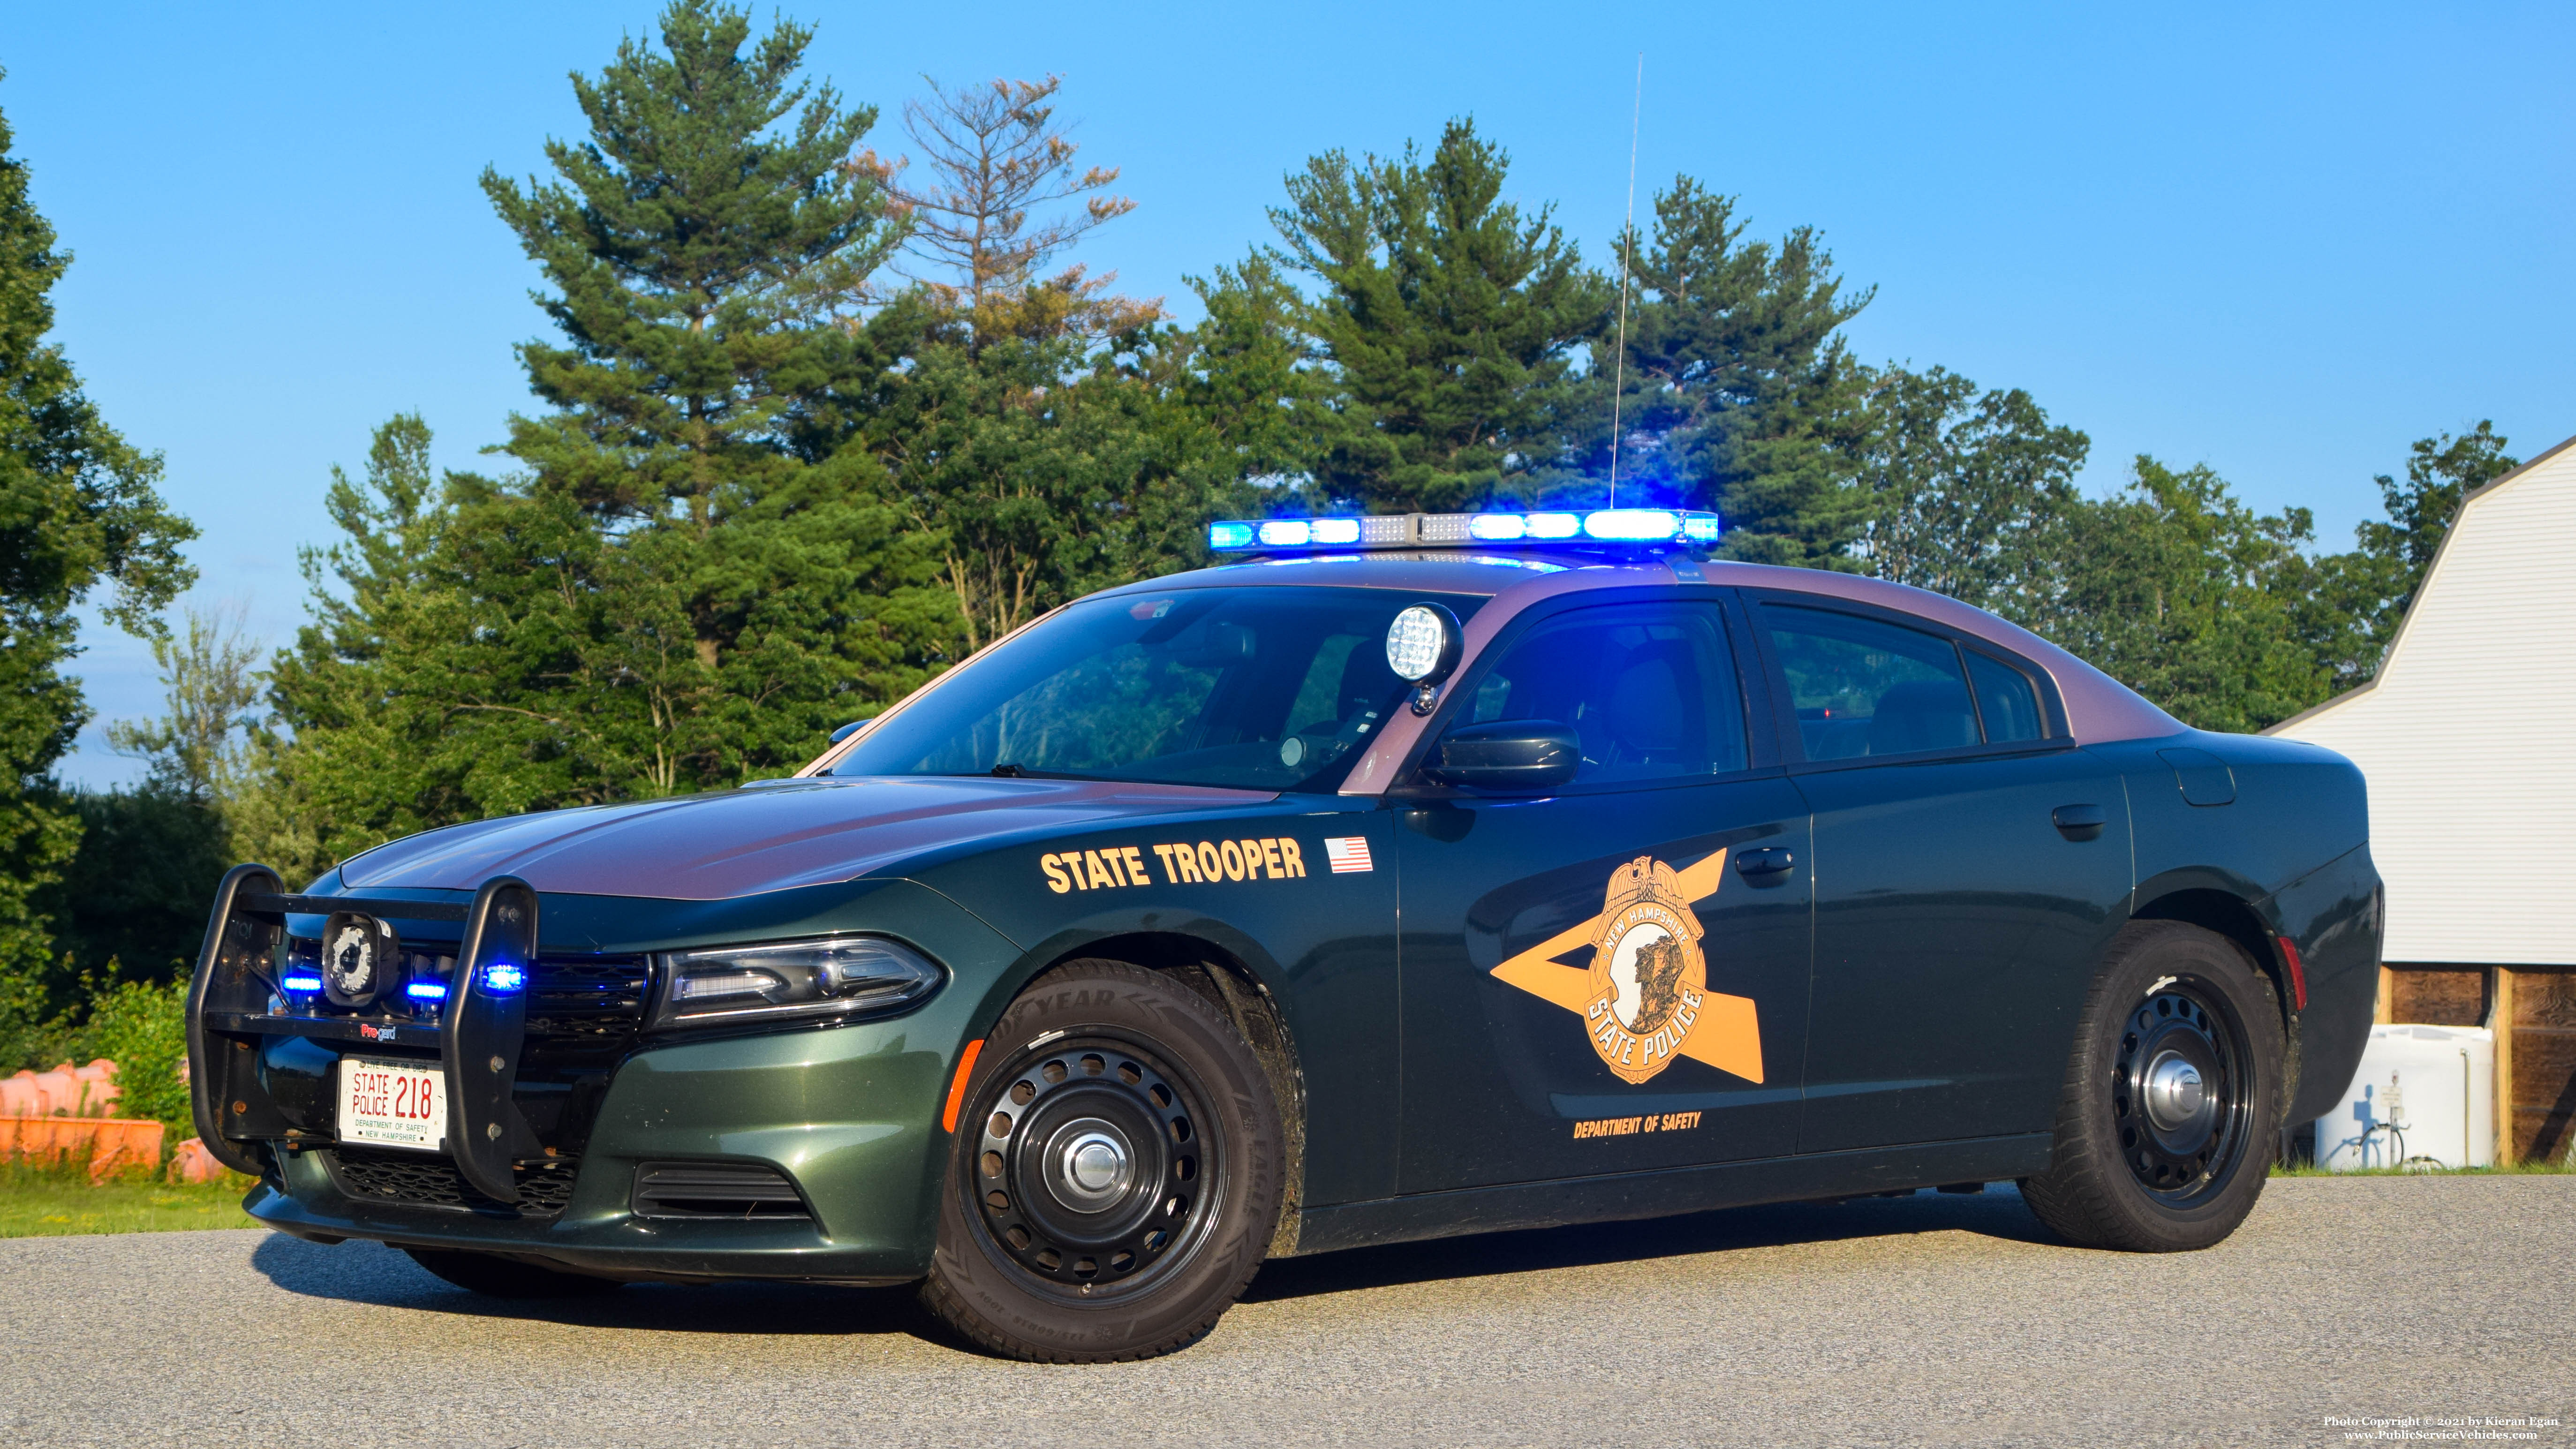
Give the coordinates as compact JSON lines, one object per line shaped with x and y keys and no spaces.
{"x":1644,"y":996}
{"x":1649,"y":981}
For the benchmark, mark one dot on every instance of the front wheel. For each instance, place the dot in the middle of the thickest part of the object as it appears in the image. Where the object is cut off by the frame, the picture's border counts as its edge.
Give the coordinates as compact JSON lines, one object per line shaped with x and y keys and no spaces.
{"x":2172,"y":1096}
{"x":1116,"y":1175}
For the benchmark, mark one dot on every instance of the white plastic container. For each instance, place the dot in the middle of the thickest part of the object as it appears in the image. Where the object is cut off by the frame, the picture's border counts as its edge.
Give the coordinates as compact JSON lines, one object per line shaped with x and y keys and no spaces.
{"x":2424,"y":1095}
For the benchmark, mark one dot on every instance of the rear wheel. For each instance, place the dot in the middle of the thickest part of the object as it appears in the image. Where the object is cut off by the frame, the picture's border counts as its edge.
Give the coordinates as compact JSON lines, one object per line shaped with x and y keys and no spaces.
{"x":2172,"y":1097}
{"x":1116,"y":1174}
{"x":494,"y":1276}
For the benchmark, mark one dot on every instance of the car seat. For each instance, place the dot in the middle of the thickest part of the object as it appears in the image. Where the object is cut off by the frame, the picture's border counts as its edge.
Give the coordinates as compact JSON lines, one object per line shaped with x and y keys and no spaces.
{"x":1922,"y":714}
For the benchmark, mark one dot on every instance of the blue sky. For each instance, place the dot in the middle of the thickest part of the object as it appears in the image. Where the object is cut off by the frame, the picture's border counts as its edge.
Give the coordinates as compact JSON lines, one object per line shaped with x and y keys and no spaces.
{"x":2283,"y":242}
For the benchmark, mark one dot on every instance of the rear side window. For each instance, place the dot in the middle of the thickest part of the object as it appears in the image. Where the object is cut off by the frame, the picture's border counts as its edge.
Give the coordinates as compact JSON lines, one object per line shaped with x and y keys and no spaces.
{"x":1864,"y":687}
{"x":2006,"y":701}
{"x":1650,"y":689}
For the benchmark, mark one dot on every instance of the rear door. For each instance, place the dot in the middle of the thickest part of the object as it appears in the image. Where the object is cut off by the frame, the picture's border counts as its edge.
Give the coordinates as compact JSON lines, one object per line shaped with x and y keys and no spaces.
{"x":1958,"y":922}
{"x":1590,"y":982}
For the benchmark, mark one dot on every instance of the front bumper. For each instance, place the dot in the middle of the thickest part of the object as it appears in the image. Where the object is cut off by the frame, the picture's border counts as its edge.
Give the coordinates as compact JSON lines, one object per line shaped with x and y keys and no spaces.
{"x":784,"y":1101}
{"x":849,"y":1114}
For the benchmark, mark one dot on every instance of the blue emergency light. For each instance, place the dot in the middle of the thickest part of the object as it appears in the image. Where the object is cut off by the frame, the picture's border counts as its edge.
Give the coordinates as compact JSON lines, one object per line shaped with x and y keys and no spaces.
{"x":1646,"y":527}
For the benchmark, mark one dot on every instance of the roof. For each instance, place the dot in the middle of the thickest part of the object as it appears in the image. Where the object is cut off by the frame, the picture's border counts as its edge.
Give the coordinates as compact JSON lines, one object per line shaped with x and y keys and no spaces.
{"x":2462,"y":736}
{"x":2098,"y":707}
{"x":2431,"y":572}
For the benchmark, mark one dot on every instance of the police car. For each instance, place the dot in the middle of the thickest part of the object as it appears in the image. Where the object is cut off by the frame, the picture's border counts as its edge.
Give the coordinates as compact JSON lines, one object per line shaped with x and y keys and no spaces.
{"x":1398,"y":877}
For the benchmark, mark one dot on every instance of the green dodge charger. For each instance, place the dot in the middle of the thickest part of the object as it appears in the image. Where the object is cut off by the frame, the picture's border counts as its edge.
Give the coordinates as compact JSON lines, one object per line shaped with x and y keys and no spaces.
{"x":1398,"y":877}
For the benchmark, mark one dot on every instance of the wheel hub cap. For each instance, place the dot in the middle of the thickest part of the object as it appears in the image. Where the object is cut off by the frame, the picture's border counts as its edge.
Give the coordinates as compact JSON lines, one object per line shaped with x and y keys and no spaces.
{"x":1093,"y":1172}
{"x":2175,"y":1094}
{"x":1093,"y":1165}
{"x":2181,"y":1094}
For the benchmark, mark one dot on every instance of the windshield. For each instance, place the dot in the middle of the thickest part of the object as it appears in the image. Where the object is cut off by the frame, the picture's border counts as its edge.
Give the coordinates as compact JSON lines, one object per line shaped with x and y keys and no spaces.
{"x":1275,"y":688}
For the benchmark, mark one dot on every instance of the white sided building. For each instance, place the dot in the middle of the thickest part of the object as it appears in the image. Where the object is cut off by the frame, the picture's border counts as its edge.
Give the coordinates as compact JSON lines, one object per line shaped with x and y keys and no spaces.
{"x":2468,"y":740}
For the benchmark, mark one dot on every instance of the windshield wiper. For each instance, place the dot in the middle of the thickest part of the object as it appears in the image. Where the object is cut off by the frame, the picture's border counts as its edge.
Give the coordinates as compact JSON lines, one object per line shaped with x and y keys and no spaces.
{"x":1009,"y":771}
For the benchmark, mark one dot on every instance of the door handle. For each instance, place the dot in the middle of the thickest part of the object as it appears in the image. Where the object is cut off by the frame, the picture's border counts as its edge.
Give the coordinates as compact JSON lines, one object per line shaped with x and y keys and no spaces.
{"x":2080,"y":822}
{"x":1770,"y":860}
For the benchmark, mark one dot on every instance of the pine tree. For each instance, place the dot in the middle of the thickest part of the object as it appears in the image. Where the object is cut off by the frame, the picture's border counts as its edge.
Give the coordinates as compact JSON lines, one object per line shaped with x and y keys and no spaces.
{"x":710,"y":246}
{"x":1740,"y":395}
{"x":1249,"y":380}
{"x":696,"y":576}
{"x":79,"y":514}
{"x":1037,"y":442}
{"x":996,"y":162}
{"x":1448,"y":319}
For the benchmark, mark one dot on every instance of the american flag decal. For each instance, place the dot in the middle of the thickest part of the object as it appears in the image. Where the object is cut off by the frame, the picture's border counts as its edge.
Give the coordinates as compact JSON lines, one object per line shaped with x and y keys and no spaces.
{"x":1348,"y":853}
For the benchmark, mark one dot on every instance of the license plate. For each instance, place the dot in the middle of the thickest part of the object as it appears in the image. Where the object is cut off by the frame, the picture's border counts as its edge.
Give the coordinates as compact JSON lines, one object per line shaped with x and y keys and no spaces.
{"x":393,"y":1104}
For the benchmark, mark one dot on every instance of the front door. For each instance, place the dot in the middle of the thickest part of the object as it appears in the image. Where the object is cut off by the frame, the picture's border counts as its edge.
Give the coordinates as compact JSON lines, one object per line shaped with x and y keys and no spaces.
{"x":1613,"y":977}
{"x":1957,"y":924}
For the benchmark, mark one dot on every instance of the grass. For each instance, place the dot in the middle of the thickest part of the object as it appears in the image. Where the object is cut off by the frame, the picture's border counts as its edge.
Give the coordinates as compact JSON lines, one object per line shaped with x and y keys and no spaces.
{"x":2560,"y":1168}
{"x":38,"y":1201}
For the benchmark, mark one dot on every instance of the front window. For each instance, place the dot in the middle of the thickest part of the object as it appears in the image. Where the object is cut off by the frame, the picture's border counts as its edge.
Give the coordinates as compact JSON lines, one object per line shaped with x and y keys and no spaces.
{"x":1649,"y":689}
{"x":1277,"y":688}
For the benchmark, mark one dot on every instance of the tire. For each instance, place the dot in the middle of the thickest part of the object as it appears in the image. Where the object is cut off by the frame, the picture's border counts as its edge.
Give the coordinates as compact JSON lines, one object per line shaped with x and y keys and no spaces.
{"x":2173,"y":1096}
{"x":1116,"y":1175}
{"x":494,"y":1276}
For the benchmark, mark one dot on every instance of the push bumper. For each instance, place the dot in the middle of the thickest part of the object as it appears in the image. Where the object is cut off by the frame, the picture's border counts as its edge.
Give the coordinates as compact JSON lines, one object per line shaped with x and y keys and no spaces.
{"x":783,"y":1101}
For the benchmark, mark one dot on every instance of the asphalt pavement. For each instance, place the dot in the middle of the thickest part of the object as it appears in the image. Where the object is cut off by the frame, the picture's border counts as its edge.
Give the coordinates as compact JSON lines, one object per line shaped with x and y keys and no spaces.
{"x":1922,"y":1320}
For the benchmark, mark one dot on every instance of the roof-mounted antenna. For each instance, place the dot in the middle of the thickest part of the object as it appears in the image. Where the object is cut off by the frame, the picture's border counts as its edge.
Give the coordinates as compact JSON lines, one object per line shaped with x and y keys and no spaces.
{"x":1627,"y":244}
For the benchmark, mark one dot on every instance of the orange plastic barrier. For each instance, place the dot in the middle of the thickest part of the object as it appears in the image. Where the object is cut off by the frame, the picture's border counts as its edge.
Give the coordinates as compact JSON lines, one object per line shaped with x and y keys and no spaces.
{"x":111,"y":1144}
{"x":193,"y":1163}
{"x":66,"y":1091}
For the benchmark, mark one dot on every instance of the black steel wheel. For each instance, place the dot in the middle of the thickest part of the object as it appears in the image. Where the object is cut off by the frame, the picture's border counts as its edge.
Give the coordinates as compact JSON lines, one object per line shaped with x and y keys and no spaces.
{"x":1099,"y":1168}
{"x":1116,"y":1174}
{"x":2181,"y":1092}
{"x":2172,"y":1094}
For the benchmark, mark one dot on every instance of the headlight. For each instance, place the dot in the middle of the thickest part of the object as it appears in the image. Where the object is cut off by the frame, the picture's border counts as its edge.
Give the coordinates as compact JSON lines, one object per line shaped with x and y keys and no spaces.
{"x":840,"y":976}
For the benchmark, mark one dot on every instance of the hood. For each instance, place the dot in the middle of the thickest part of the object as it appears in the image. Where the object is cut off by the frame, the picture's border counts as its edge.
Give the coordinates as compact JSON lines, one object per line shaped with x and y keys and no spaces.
{"x":741,"y":842}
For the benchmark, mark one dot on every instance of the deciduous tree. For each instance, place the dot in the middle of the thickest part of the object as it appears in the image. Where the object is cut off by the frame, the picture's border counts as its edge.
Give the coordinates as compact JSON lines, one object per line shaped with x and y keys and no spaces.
{"x":1968,"y":494}
{"x":2358,"y":599}
{"x":80,"y":519}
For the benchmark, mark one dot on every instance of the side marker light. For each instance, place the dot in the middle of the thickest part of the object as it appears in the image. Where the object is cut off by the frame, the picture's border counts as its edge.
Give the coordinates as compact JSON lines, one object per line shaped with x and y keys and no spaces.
{"x":2298,"y":971}
{"x":957,"y":1087}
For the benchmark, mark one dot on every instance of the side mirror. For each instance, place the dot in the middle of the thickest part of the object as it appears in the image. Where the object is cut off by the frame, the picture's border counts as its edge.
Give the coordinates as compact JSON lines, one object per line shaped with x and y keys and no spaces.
{"x":853,"y":727}
{"x":1509,"y":755}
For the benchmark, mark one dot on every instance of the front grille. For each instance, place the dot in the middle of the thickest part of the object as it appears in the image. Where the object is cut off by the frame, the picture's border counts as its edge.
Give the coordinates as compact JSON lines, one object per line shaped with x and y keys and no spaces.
{"x":419,"y":1179}
{"x":583,"y":1014}
{"x":714,"y":1190}
{"x":583,"y":1017}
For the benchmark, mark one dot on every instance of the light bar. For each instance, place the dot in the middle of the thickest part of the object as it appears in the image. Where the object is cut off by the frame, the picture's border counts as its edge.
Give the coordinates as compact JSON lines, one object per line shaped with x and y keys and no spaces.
{"x":303,"y":983}
{"x":1644,"y":527}
{"x":426,"y":991}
